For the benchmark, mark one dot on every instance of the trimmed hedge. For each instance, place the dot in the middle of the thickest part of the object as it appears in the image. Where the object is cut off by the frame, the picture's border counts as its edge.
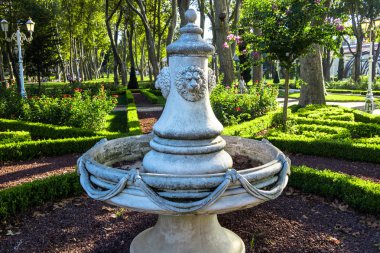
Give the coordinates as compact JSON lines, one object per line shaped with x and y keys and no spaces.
{"x":15,"y":136}
{"x":132,"y":116}
{"x":364,"y":117}
{"x":357,"y":129}
{"x":361,"y":92}
{"x":366,"y":152}
{"x":20,"y":198}
{"x":251,"y":128}
{"x":314,"y":131}
{"x":31,"y":149}
{"x":47,"y":131}
{"x":360,"y":194}
{"x":153,"y":98}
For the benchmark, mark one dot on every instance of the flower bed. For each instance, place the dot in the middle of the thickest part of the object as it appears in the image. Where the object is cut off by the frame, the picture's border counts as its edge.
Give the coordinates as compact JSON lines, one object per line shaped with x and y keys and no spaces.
{"x":79,"y":110}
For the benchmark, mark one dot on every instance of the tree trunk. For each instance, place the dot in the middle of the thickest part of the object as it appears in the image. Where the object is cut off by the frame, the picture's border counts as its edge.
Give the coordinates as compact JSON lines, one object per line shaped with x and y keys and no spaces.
{"x":148,"y":34}
{"x":113,"y":39}
{"x":132,"y":84}
{"x":202,"y":12}
{"x":286,"y":98}
{"x":2,"y":76}
{"x":326,"y":61}
{"x":357,"y":62}
{"x":14,"y":67}
{"x":313,"y":89}
{"x":341,"y":64}
{"x":173,"y":23}
{"x":183,"y":6}
{"x":221,"y":32}
{"x":375,"y":59}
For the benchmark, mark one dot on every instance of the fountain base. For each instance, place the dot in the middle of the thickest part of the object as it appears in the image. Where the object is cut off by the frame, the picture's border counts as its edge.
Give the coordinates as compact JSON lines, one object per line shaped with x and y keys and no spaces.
{"x":187,"y":234}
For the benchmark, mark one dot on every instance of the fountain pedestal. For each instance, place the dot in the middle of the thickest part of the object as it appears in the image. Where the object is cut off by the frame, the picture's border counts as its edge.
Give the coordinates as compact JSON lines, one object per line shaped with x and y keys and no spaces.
{"x":187,"y":234}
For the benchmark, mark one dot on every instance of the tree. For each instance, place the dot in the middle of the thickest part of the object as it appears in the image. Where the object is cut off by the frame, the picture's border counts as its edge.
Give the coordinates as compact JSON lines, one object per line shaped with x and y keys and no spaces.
{"x":360,"y":12}
{"x":287,"y":32}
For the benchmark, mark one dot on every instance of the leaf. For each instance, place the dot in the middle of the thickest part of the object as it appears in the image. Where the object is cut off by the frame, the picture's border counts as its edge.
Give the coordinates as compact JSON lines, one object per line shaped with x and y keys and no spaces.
{"x":11,"y":233}
{"x":333,"y":240}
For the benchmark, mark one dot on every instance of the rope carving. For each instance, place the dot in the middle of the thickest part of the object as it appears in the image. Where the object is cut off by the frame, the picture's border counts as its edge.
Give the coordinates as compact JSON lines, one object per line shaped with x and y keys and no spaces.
{"x":133,"y":177}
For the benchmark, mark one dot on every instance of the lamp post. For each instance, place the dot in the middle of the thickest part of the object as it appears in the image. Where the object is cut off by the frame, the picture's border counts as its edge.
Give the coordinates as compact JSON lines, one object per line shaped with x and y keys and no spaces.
{"x":19,"y":38}
{"x":369,"y":104}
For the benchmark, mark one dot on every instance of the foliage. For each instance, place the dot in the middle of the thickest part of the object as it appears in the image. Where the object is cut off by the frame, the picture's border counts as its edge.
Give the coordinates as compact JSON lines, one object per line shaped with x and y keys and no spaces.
{"x":47,"y":131}
{"x":232,"y":108}
{"x":251,"y":128}
{"x":117,"y":122}
{"x":337,"y":97}
{"x":26,"y":150}
{"x":132,"y":116}
{"x":14,"y":136}
{"x":349,"y":84}
{"x":19,"y":199}
{"x":153,"y":97}
{"x":362,"y":195}
{"x":328,"y":148}
{"x":81,"y":110}
{"x":287,"y":27}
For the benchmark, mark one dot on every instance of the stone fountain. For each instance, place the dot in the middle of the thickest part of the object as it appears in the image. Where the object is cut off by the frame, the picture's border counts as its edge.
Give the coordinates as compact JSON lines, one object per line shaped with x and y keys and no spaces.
{"x":186,"y":175}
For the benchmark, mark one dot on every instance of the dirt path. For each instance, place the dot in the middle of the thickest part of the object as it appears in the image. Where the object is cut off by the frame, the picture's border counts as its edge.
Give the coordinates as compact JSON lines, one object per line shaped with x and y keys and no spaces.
{"x":147,"y":117}
{"x":295,"y":222}
{"x":15,"y":173}
{"x":367,"y":171}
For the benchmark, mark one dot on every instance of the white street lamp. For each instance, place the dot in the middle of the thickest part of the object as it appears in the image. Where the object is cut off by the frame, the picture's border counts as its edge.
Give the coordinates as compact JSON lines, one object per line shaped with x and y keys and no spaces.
{"x":30,"y":26}
{"x":369,"y":100}
{"x":19,"y":38}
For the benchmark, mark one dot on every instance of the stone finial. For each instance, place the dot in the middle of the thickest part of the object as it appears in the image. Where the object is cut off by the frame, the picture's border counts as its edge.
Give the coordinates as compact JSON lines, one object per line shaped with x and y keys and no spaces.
{"x":191,"y":41}
{"x":191,"y":16}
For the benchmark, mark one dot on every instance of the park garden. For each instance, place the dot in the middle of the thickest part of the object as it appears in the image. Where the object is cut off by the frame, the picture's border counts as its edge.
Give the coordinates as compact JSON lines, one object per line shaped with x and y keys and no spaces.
{"x":92,"y":72}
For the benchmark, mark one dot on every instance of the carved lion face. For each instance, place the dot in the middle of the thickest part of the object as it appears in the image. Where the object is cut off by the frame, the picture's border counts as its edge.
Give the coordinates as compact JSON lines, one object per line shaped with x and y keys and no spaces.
{"x":191,"y":83}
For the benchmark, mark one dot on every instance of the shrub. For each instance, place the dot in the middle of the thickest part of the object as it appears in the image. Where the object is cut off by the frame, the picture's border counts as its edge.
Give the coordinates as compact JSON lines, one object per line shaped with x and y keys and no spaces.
{"x":20,"y":198}
{"x":82,"y":110}
{"x":366,"y":152}
{"x":314,"y":131}
{"x":357,"y":129}
{"x":360,"y":194}
{"x":31,"y":149}
{"x":15,"y":136}
{"x":47,"y":131}
{"x":132,"y":116}
{"x":153,"y":98}
{"x":349,"y":84}
{"x":232,"y":108}
{"x":250,"y":128}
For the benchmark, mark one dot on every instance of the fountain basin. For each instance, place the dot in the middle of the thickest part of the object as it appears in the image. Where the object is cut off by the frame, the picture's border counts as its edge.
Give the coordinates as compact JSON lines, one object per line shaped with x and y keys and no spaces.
{"x":169,"y":194}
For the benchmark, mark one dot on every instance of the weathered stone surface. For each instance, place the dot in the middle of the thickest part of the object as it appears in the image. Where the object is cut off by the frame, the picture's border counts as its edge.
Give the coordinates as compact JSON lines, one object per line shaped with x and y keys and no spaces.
{"x":187,"y":234}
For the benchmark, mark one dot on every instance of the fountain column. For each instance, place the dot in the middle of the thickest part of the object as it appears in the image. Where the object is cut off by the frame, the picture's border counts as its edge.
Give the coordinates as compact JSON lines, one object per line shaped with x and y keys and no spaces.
{"x":187,"y":140}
